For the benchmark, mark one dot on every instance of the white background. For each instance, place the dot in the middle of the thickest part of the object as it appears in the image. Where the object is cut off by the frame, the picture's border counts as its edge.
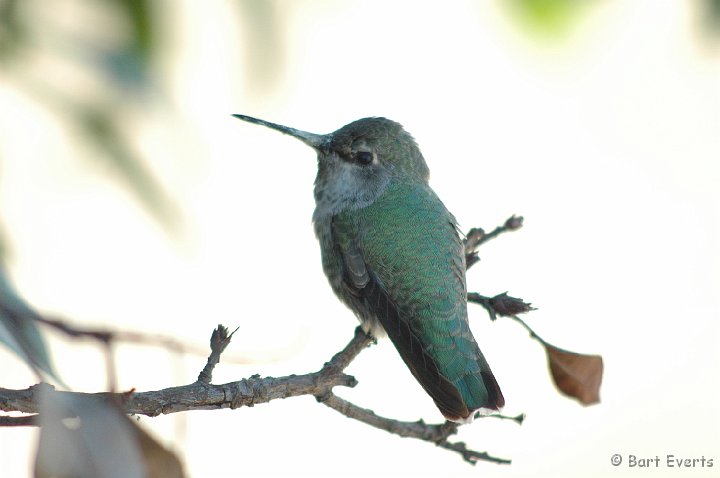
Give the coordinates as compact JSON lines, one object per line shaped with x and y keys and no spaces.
{"x":606,"y":141}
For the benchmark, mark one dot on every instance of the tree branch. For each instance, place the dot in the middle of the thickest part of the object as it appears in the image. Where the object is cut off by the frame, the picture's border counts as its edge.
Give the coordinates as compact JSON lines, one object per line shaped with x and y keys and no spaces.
{"x":203,"y":395}
{"x":248,"y":392}
{"x":195,"y":396}
{"x":21,"y":421}
{"x":435,"y":433}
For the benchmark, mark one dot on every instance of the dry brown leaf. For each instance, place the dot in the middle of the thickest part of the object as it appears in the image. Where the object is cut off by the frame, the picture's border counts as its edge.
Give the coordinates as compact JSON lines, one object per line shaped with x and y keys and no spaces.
{"x":159,"y":461}
{"x":576,"y":375}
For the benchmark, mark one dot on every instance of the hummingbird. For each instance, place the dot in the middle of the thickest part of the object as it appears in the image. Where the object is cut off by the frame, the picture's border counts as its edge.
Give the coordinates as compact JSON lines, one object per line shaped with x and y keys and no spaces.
{"x":392,"y":253}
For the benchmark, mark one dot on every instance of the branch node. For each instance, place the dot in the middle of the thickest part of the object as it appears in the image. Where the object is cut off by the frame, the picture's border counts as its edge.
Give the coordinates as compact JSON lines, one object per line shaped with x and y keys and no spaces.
{"x":324,"y":395}
{"x":501,"y":305}
{"x":219,"y":340}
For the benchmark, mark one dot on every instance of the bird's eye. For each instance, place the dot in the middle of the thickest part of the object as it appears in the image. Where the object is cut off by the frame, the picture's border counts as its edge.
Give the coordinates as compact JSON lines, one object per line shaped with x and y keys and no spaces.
{"x":363,"y":157}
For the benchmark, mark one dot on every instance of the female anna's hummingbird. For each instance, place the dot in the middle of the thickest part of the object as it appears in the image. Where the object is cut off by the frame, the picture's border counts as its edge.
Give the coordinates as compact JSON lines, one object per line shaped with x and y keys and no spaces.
{"x":392,"y":253}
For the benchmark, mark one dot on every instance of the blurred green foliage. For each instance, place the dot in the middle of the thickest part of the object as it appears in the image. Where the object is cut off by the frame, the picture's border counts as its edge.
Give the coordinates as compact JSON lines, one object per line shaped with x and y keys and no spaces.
{"x":712,"y":15}
{"x":552,"y":18}
{"x":128,"y":66}
{"x":262,"y":24}
{"x":556,"y":18}
{"x":125,"y":63}
{"x":142,"y":41}
{"x":12,"y":32}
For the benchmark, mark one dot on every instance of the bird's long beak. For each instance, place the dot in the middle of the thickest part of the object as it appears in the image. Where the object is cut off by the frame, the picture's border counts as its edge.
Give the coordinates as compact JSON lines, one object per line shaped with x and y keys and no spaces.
{"x":315,"y":141}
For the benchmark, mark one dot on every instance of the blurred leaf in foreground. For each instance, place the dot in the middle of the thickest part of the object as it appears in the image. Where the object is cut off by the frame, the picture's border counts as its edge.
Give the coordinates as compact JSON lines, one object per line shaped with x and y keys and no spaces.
{"x":82,"y":436}
{"x":19,"y":330}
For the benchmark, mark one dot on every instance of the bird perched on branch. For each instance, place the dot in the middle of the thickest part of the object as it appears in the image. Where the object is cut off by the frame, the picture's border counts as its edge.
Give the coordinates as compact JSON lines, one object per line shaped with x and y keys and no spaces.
{"x":392,"y":253}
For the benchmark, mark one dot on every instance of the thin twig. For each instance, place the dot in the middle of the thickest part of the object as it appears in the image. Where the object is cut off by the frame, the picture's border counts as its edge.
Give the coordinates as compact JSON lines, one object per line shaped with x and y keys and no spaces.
{"x":102,"y":335}
{"x":472,"y":456}
{"x":419,"y":429}
{"x":359,"y":342}
{"x":477,"y":237}
{"x":435,"y":433}
{"x":219,"y":340}
{"x":517,"y":418}
{"x":513,"y":223}
{"x":532,"y":333}
{"x":126,"y":336}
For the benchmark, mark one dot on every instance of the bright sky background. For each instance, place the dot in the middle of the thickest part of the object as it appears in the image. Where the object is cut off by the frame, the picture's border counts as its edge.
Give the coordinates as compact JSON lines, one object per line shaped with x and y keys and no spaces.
{"x":607,"y":144}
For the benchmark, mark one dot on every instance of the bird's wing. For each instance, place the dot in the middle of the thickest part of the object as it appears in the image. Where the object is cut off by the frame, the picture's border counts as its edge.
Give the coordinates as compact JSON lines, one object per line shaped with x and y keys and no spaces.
{"x":404,"y":261}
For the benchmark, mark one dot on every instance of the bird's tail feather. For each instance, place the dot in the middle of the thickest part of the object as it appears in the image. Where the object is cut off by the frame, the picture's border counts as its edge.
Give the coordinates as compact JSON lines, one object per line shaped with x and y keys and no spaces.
{"x":458,"y":401}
